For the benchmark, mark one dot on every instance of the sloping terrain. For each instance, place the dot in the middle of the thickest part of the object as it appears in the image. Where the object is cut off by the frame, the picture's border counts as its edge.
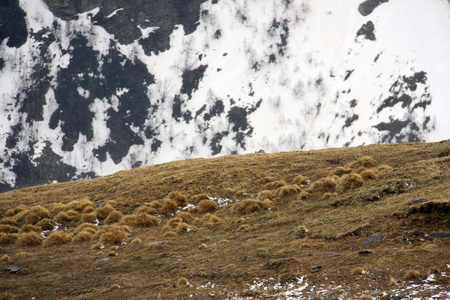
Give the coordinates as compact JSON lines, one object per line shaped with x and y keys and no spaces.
{"x":334,"y":223}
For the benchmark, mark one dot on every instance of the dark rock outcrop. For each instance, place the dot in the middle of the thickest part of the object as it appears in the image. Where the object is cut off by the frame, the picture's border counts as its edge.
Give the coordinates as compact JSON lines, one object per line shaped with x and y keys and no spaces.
{"x":368,"y":6}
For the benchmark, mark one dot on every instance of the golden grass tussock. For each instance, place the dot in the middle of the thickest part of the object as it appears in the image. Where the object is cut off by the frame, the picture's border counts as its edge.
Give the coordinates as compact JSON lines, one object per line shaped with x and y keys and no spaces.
{"x":385,"y":168}
{"x":89,"y":217}
{"x":349,"y":182}
{"x":433,"y":270}
{"x":169,"y":206}
{"x":368,"y":174}
{"x":358,"y":271}
{"x":265,"y":194}
{"x":8,"y":221}
{"x":35,"y":214}
{"x":58,"y":238}
{"x":88,"y":209}
{"x":265,"y":180}
{"x":339,"y":171}
{"x":129,"y":220}
{"x":146,"y":208}
{"x":83,"y":236}
{"x":67,"y":218}
{"x":247,"y":206}
{"x":328,"y":196}
{"x":46,"y":224}
{"x":366,"y":297}
{"x":78,"y":205}
{"x":156,"y":204}
{"x":169,"y":233}
{"x":30,"y":228}
{"x":85,"y":227}
{"x":145,"y":220}
{"x":287,"y":190}
{"x":57,"y":207}
{"x":300,"y":179}
{"x":412,"y":275}
{"x":185,"y":216}
{"x":244,"y":227}
{"x":16,"y":210}
{"x":8,"y":228}
{"x":8,"y":238}
{"x":199,"y":197}
{"x":104,"y":211}
{"x":211,"y":218}
{"x":274,"y":185}
{"x":303,"y":196}
{"x":179,"y":198}
{"x":205,"y":206}
{"x":326,"y":184}
{"x":365,"y":161}
{"x":5,"y":257}
{"x":113,"y":217}
{"x":29,"y":239}
{"x":267,"y":204}
{"x":115,"y":234}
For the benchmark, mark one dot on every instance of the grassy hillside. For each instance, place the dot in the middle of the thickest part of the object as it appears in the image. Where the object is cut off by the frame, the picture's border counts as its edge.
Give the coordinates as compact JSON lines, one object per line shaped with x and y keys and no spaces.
{"x":256,"y":225}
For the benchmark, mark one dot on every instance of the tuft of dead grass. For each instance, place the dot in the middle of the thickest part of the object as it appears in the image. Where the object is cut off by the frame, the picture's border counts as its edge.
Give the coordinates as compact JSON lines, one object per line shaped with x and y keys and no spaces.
{"x":169,"y":206}
{"x":349,"y":182}
{"x":179,"y":198}
{"x":325,"y":185}
{"x":412,"y":275}
{"x":30,"y":228}
{"x":5,"y":257}
{"x":29,"y":239}
{"x":145,"y":220}
{"x":247,"y":206}
{"x":8,"y":238}
{"x":265,"y":194}
{"x":104,"y":211}
{"x":46,"y":224}
{"x":8,"y":229}
{"x":58,"y":238}
{"x":113,"y":217}
{"x":89,"y":217}
{"x":115,"y":234}
{"x":287,"y":190}
{"x":83,"y":236}
{"x":274,"y":185}
{"x":205,"y":206}
{"x":358,"y":271}
{"x":300,"y":179}
{"x":197,"y":198}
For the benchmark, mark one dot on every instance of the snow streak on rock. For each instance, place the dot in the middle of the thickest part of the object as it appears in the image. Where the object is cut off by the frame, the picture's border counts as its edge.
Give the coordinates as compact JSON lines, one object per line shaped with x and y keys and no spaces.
{"x":88,"y":89}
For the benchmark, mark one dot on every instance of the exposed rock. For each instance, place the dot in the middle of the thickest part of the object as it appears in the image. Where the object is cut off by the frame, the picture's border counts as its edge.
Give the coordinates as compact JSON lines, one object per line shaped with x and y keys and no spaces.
{"x":417,"y":201}
{"x":367,"y":30}
{"x":365,"y":252}
{"x":401,"y":238}
{"x":439,"y":235}
{"x":105,"y":260}
{"x":368,"y":6}
{"x":12,"y":24}
{"x":373,"y":239}
{"x":12,"y":269}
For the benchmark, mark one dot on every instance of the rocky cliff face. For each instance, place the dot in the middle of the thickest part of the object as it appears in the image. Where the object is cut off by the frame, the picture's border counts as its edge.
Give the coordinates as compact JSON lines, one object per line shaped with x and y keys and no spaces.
{"x":91,"y":87}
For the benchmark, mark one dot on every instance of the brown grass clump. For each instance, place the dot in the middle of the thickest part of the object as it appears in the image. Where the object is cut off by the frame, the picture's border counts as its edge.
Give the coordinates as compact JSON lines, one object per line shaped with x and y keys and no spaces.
{"x":267,"y":204}
{"x":58,"y":238}
{"x":303,"y":196}
{"x":5,"y":257}
{"x":327,"y":184}
{"x":83,"y":236}
{"x":128,"y":220}
{"x":211,"y":218}
{"x":368,"y":174}
{"x":8,"y":238}
{"x":29,"y":239}
{"x":205,"y":206}
{"x":146,"y":208}
{"x":35,"y":214}
{"x":274,"y":185}
{"x":113,"y":217}
{"x":287,"y":190}
{"x":365,"y":161}
{"x":46,"y":224}
{"x":385,"y":168}
{"x":104,"y":211}
{"x":16,"y":210}
{"x":146,"y":220}
{"x":412,"y":275}
{"x":358,"y":271}
{"x":30,"y":228}
{"x":244,"y":227}
{"x":89,"y":217}
{"x":136,"y":241}
{"x":115,"y":234}
{"x":265,"y":194}
{"x":366,"y":297}
{"x":350,"y":181}
{"x":8,"y":221}
{"x":8,"y":229}
{"x":169,"y":233}
{"x":339,"y":171}
{"x":197,"y":198}
{"x":67,"y":218}
{"x":247,"y":206}
{"x":300,"y":179}
{"x":433,"y":270}
{"x":169,"y":206}
{"x":179,"y":198}
{"x":185,"y":216}
{"x":88,"y":209}
{"x":265,"y":180}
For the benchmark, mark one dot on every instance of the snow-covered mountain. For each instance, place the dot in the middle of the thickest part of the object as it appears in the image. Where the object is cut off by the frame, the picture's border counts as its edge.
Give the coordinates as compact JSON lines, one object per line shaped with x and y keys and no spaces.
{"x":91,"y":87}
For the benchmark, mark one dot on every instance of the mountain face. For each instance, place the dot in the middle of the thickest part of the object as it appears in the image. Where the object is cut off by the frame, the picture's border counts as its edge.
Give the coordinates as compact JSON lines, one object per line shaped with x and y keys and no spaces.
{"x":91,"y":87}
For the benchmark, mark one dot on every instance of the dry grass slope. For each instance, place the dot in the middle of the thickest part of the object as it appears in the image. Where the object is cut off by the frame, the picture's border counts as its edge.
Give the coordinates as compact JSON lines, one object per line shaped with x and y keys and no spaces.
{"x":171,"y":229}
